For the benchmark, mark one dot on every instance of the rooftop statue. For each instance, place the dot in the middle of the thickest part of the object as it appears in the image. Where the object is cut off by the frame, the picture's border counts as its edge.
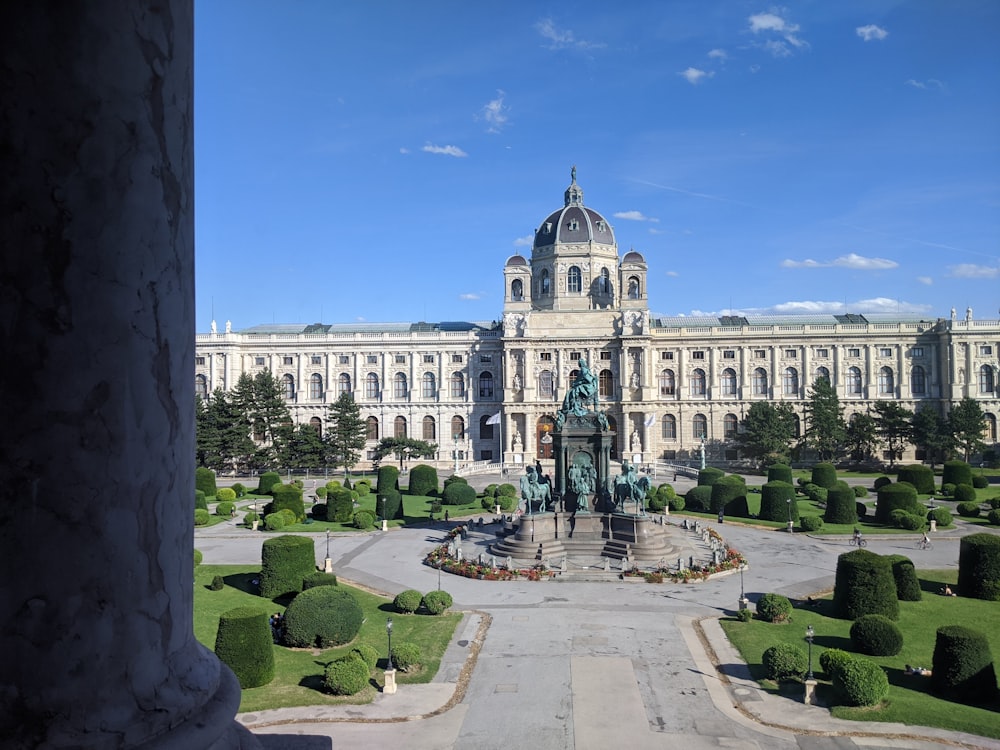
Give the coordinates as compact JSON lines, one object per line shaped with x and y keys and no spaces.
{"x":581,"y":398}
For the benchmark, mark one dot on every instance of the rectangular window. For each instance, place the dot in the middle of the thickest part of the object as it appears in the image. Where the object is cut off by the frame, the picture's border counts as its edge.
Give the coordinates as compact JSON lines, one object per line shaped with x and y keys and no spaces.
{"x":574,"y":356}
{"x":400,"y":359}
{"x":666,"y":355}
{"x":485,"y":357}
{"x":316,"y":359}
{"x":286,"y":360}
{"x":729,"y":354}
{"x":822,"y":354}
{"x":791,"y":353}
{"x":457,"y":358}
{"x":259,"y":361}
{"x":669,"y":455}
{"x":372,"y":359}
{"x":605,"y":356}
{"x":853,"y":352}
{"x":428,"y":359}
{"x":545,"y":356}
{"x":985,"y":351}
{"x":199,"y":360}
{"x":917,"y":351}
{"x":697,"y":355}
{"x":344,"y":359}
{"x":759,"y":354}
{"x":885,"y":352}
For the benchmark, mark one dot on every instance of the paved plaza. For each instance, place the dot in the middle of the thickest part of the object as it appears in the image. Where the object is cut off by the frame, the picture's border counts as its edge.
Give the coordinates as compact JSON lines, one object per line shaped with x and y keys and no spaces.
{"x":586,"y":665}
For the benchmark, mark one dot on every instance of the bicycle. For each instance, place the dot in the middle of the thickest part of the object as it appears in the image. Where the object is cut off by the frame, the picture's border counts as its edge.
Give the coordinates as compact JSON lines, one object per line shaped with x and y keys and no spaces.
{"x":858,"y":541}
{"x":925,"y":544}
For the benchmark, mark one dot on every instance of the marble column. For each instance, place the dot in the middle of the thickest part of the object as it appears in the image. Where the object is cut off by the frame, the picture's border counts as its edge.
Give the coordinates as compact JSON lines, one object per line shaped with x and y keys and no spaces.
{"x":97,"y":262}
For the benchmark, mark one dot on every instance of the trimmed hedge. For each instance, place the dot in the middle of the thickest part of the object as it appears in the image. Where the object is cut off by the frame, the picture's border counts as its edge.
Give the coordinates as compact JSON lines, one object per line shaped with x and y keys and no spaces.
{"x":364,"y":519}
{"x":267,"y":480}
{"x":962,"y":666}
{"x":699,"y":498}
{"x":423,"y":480}
{"x":322,"y":616}
{"x":876,"y":635}
{"x":239,"y":489}
{"x":920,"y":476}
{"x":346,"y":676}
{"x":406,"y":656}
{"x":905,"y":575}
{"x":784,"y":661}
{"x":811,"y":523}
{"x":840,"y":504}
{"x":860,"y":491}
{"x":860,"y":682}
{"x":407,"y":602}
{"x":965,"y":493}
{"x":201,"y":516}
{"x":834,"y":659}
{"x":388,"y":480}
{"x":993,"y":517}
{"x":864,"y":585}
{"x":200,"y":503}
{"x":968,"y":510}
{"x":204,"y":480}
{"x":340,"y":505}
{"x":941,"y":515}
{"x":367,"y":653}
{"x":436,"y":602}
{"x":956,"y":472}
{"x":881,"y":482}
{"x":285,"y":561}
{"x":457,"y":493}
{"x":980,"y":482}
{"x":198,"y":557}
{"x":243,"y":643}
{"x":901,"y":495}
{"x":318,"y":578}
{"x":779,"y":473}
{"x":274,"y":521}
{"x":861,"y":509}
{"x":824,"y":475}
{"x":225,"y":509}
{"x":979,"y":566}
{"x":774,"y":497}
{"x":288,"y":496}
{"x":774,"y":608}
{"x":225,"y":495}
{"x":709,"y":476}
{"x":727,"y":490}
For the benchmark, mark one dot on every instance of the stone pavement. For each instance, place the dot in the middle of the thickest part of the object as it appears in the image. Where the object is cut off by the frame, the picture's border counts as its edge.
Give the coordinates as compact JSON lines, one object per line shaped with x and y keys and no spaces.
{"x":576,"y":665}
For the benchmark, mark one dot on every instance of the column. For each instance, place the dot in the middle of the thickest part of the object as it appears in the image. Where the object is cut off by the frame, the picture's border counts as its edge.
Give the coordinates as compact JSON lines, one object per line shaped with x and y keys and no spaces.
{"x":99,"y":242}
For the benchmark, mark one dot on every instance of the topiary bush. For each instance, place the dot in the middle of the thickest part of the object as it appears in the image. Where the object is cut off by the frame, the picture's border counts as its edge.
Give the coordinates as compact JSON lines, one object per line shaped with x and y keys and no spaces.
{"x":709,"y":476}
{"x":322,"y":616}
{"x":287,"y":516}
{"x":774,"y":608}
{"x":239,"y":489}
{"x":677,"y":504}
{"x":225,"y":495}
{"x":200,"y":503}
{"x":267,"y":480}
{"x":860,"y":682}
{"x":320,"y":511}
{"x":244,"y":644}
{"x":407,"y":602}
{"x":364,"y":519}
{"x":864,"y":585}
{"x":406,"y":656}
{"x":881,"y":482}
{"x":457,"y":493}
{"x":965,"y":493}
{"x":725,"y":490}
{"x":288,"y":496}
{"x":940,"y":515}
{"x":962,"y":665}
{"x":218,"y":583}
{"x":249,"y":517}
{"x":901,"y":519}
{"x":388,"y":480}
{"x":994,"y":502}
{"x":363,"y":487}
{"x":198,"y":557}
{"x":655,"y":503}
{"x":920,"y":476}
{"x":784,"y":661}
{"x":423,"y":480}
{"x":779,"y":473}
{"x":824,"y":475}
{"x":840,"y":504}
{"x":956,"y":472}
{"x":340,"y":505}
{"x":321,"y":492}
{"x":993,"y":517}
{"x":318,"y":578}
{"x":201,"y":516}
{"x":366,"y":653}
{"x":816,"y":493}
{"x":507,"y":490}
{"x":285,"y":561}
{"x":901,"y":495}
{"x":437,"y":602}
{"x":968,"y":510}
{"x":876,"y":635}
{"x":274,"y":521}
{"x":204,"y":480}
{"x":774,"y":497}
{"x":980,"y":482}
{"x":905,"y":576}
{"x":833,"y":659}
{"x":346,"y":676}
{"x":507,"y":503}
{"x":947,"y":489}
{"x":810,"y":524}
{"x":979,"y":567}
{"x":860,"y":491}
{"x":225,"y":509}
{"x":861,"y":509}
{"x":699,"y":498}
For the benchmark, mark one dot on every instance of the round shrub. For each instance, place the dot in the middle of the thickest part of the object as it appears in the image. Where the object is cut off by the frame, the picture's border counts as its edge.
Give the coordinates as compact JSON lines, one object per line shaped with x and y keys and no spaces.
{"x":744,"y":615}
{"x":364,"y":519}
{"x":909,"y":521}
{"x":860,"y":491}
{"x":774,"y":497}
{"x":407,"y":602}
{"x":346,"y":676}
{"x":321,"y":492}
{"x":340,"y":506}
{"x":200,"y":516}
{"x":285,"y":561}
{"x":979,"y":566}
{"x":962,"y":665}
{"x":507,"y":503}
{"x":860,"y":682}
{"x":824,"y":475}
{"x":965,"y":493}
{"x":508,"y":490}
{"x":941,"y":515}
{"x":488,"y":502}
{"x":840,"y":504}
{"x":864,"y":585}
{"x":774,"y":608}
{"x":423,"y":480}
{"x":204,"y":480}
{"x":726,"y":495}
{"x":699,"y":498}
{"x":920,"y":476}
{"x":287,"y":515}
{"x":968,"y":510}
{"x":709,"y":476}
{"x":366,"y":653}
{"x":198,"y":557}
{"x":363,"y":487}
{"x":994,"y":502}
{"x":833,"y":659}
{"x":656,"y":504}
{"x":249,"y":517}
{"x":881,"y":482}
{"x":200,"y":503}
{"x":225,"y":495}
{"x":225,"y":509}
{"x":947,"y":489}
{"x":861,"y":509}
{"x":239,"y":489}
{"x":319,"y":511}
{"x":244,"y":644}
{"x":810,"y":524}
{"x":322,"y":616}
{"x":458,"y":494}
{"x":784,"y":661}
{"x":318,"y":578}
{"x":905,"y":576}
{"x":677,"y":503}
{"x":274,"y":521}
{"x":779,"y":473}
{"x":406,"y":656}
{"x":437,"y":602}
{"x":267,"y":480}
{"x":876,"y":635}
{"x":993,"y":517}
{"x":956,"y":472}
{"x":288,"y":496}
{"x":892,"y":496}
{"x":980,"y":482}
{"x":218,"y":583}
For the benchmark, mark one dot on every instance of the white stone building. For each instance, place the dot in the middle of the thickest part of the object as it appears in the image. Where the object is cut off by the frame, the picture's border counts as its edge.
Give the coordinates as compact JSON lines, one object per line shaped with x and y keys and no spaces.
{"x":666,"y":383}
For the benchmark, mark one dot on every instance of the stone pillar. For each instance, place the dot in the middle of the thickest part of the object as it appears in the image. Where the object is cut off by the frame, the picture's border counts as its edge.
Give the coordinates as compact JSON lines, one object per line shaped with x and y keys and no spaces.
{"x":98,"y":268}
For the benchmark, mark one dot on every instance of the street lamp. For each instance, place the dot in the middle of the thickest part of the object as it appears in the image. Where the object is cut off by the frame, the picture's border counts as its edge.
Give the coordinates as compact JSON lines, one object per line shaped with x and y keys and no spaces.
{"x":328,"y":543}
{"x":809,"y":637}
{"x":327,"y":563}
{"x":388,"y":630}
{"x":789,"y":502}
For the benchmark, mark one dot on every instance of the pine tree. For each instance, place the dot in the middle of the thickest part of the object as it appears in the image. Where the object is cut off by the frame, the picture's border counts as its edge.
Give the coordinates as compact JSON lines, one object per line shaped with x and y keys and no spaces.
{"x":346,"y":433}
{"x":222,"y":433}
{"x":767,"y":431}
{"x":895,"y":427}
{"x":932,"y":432}
{"x":825,"y":427}
{"x":404,"y":448}
{"x":861,"y":437}
{"x":966,"y":422}
{"x":305,"y":449}
{"x":260,"y":401}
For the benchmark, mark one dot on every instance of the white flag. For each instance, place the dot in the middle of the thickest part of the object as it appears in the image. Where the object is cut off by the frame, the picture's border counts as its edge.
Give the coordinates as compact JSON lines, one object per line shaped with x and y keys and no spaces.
{"x":650,"y":420}
{"x":495,"y":419}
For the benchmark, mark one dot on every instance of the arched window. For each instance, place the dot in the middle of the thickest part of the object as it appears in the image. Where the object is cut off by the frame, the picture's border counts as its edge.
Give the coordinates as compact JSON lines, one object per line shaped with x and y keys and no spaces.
{"x":886,"y":382}
{"x":201,"y":386}
{"x":853,"y":381}
{"x":574,"y":280}
{"x":288,"y":387}
{"x":667,"y":383}
{"x":399,"y":427}
{"x":918,"y":380}
{"x":606,"y":384}
{"x":729,"y":382}
{"x":371,"y":385}
{"x":516,"y":290}
{"x":604,"y":282}
{"x":790,"y":382}
{"x":986,"y":383}
{"x":729,"y":425}
{"x":990,"y":428}
{"x":399,"y":385}
{"x":699,"y":426}
{"x":633,"y":287}
{"x":457,"y":382}
{"x":486,"y":385}
{"x":315,"y":386}
{"x":343,"y":384}
{"x":546,"y":387}
{"x":698,"y":382}
{"x":669,"y":425}
{"x":317,"y":424}
{"x":822,"y":374}
{"x":485,"y":429}
{"x":457,"y":428}
{"x":372,"y":424}
{"x":759,"y":382}
{"x":430,"y":433}
{"x":546,"y":283}
{"x":428,"y":385}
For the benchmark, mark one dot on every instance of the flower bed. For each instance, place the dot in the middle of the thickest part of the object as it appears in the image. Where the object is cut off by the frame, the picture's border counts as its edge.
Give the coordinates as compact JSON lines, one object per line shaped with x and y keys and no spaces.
{"x":733,"y":560}
{"x":439,"y":558}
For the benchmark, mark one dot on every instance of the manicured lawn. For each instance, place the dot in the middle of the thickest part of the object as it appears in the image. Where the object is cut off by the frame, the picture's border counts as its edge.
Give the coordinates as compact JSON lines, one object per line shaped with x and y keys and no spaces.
{"x":910,"y":700}
{"x":299,"y":672}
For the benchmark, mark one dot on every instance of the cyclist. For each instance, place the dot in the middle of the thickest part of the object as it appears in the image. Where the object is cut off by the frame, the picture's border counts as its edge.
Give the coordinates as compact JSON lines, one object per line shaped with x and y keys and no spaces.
{"x":857,"y":535}
{"x":926,"y":541}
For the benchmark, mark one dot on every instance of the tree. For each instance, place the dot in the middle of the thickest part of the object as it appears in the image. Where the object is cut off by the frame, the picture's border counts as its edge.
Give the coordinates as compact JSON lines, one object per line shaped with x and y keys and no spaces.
{"x":825,"y":427}
{"x":222,"y":435}
{"x":861,"y":437}
{"x":260,"y":401}
{"x":932,"y":432}
{"x":966,"y":422}
{"x":304,"y":449}
{"x":347,"y":432}
{"x":768,"y":430}
{"x":895,"y":427}
{"x":404,"y":448}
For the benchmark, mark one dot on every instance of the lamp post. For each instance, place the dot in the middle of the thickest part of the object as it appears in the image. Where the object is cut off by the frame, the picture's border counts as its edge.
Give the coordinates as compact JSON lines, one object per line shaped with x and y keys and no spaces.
{"x":743,"y":597}
{"x":385,"y":522}
{"x":327,"y":563}
{"x":790,"y":524}
{"x":809,"y":637}
{"x":388,"y":630}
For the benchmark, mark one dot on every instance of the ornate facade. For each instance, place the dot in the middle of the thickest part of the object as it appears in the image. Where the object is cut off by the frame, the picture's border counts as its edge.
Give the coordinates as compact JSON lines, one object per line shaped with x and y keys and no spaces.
{"x":668,"y":384}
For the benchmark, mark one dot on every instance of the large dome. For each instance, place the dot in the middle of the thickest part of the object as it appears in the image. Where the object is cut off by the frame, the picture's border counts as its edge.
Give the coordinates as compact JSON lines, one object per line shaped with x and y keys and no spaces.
{"x":574,"y":223}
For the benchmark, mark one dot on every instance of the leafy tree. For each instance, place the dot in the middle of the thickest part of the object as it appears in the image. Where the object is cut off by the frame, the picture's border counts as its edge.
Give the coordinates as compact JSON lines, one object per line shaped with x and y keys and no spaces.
{"x":304,"y":449}
{"x":895,"y":427}
{"x":825,"y":427}
{"x":932,"y":432}
{"x":347,"y":432}
{"x":768,"y":430}
{"x":404,"y":448}
{"x":260,"y":401}
{"x":966,"y":421}
{"x":861,"y":436}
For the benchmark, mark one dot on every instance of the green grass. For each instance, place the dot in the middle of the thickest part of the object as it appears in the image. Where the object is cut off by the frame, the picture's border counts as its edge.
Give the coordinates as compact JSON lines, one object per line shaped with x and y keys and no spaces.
{"x":299,"y":672}
{"x":910,"y":700}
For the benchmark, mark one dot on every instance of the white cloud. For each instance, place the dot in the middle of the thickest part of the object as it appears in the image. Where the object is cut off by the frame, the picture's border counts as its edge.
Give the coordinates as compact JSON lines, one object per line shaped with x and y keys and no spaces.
{"x":673,"y":274}
{"x":404,"y":150}
{"x":634,"y":216}
{"x":824,"y":307}
{"x":562,"y":38}
{"x":446,"y":150}
{"x":851,"y":260}
{"x":495,"y":113}
{"x":526,"y":241}
{"x":767,"y":22}
{"x":871,"y":31}
{"x":927,"y":280}
{"x":694,"y":75}
{"x":973,"y":271}
{"x":469,"y":295}
{"x":782,"y":35}
{"x":718,"y":54}
{"x":930,"y":83}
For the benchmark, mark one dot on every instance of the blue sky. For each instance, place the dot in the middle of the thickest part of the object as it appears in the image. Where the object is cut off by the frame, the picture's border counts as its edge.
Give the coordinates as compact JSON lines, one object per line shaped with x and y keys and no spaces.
{"x":379,"y":161}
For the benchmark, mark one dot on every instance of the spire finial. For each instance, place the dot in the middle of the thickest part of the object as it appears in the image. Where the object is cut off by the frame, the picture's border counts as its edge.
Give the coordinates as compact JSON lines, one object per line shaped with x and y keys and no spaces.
{"x":572,"y":173}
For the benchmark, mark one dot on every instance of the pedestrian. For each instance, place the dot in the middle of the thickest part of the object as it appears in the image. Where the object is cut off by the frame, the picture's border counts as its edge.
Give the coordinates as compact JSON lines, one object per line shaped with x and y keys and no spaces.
{"x":446,"y":515}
